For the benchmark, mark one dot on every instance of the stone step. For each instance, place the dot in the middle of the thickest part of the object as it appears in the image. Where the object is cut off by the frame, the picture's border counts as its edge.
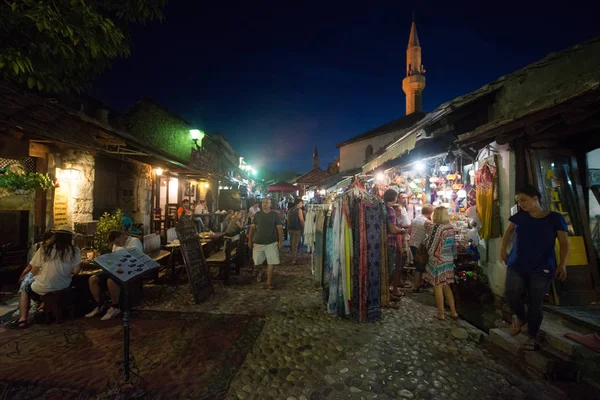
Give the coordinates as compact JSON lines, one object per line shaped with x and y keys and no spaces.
{"x":553,"y":332}
{"x":547,"y":362}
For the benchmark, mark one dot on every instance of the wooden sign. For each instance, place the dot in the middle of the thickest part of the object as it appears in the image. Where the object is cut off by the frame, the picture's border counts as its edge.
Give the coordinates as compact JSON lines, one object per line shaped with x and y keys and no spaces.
{"x":193,"y":257}
{"x":61,"y":207}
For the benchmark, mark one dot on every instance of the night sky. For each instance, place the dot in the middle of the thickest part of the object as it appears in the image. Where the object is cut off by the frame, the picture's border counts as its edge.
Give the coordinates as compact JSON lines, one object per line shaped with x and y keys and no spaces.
{"x":278,"y":77}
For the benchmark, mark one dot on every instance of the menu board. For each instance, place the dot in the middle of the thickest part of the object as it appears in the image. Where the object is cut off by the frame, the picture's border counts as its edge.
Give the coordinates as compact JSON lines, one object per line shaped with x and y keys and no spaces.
{"x":126,"y":264}
{"x":61,"y":207}
{"x":193,"y":257}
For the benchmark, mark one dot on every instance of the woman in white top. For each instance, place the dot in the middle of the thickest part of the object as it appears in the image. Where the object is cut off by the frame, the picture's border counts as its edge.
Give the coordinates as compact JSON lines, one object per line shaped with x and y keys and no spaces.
{"x":53,"y":266}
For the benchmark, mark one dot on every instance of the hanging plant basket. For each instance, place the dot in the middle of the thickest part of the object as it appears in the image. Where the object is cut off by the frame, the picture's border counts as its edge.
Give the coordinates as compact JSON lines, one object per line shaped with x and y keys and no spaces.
{"x":23,"y":183}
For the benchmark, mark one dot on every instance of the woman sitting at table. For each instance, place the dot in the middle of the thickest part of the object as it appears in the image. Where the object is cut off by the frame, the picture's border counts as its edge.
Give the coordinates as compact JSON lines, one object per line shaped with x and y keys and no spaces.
{"x":236,"y":224}
{"x":53,"y":266}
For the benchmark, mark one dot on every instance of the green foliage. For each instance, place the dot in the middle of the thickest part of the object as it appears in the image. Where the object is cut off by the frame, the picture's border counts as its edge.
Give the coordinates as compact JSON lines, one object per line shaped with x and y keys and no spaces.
{"x":59,"y":45}
{"x":160,"y":128}
{"x":106,"y":224}
{"x":15,"y":181}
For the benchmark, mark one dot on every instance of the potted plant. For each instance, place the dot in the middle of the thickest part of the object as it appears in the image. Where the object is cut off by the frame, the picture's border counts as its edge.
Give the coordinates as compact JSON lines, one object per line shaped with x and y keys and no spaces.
{"x":106,"y":224}
{"x":21,"y":182}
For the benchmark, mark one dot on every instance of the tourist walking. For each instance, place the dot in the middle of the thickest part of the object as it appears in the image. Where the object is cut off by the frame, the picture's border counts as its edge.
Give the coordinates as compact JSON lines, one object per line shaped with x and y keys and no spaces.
{"x":295,"y":226}
{"x":265,"y":239}
{"x":418,"y":234}
{"x":531,"y":264}
{"x":390,"y":197}
{"x":52,"y":266}
{"x":441,"y":246}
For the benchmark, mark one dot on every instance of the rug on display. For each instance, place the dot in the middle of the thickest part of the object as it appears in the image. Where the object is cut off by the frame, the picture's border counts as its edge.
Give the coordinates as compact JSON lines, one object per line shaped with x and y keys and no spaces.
{"x":178,"y":355}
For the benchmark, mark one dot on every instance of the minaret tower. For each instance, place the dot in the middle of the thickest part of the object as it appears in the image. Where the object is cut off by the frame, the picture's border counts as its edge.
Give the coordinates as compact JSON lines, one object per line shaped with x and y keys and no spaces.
{"x":414,"y":83}
{"x":315,"y":158}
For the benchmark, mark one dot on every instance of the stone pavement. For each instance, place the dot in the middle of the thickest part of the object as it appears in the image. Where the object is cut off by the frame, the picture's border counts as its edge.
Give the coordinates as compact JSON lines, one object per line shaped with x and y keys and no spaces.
{"x":304,"y":353}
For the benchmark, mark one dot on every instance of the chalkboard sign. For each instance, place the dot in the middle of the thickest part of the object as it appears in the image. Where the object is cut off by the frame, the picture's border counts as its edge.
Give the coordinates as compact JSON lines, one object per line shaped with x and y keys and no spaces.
{"x":193,"y":257}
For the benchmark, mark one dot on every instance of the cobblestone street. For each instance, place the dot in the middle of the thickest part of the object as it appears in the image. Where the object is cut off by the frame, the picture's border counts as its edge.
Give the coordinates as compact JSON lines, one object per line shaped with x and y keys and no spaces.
{"x":304,"y":353}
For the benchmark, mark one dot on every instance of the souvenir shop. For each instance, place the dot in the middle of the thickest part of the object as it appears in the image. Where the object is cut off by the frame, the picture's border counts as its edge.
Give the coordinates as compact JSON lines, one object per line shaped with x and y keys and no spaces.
{"x":469,"y":190}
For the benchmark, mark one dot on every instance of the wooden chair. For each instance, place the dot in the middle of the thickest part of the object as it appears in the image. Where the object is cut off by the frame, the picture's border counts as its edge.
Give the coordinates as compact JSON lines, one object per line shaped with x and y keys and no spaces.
{"x":59,"y":302}
{"x":171,"y":235}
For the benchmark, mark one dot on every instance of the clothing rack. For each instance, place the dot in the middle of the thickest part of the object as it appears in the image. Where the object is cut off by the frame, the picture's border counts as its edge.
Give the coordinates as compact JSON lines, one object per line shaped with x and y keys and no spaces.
{"x":314,"y":208}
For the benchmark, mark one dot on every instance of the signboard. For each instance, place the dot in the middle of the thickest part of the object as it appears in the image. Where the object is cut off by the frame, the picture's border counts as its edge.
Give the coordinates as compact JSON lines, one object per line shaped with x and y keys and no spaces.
{"x":126,"y":264}
{"x":193,"y":258}
{"x":61,"y":207}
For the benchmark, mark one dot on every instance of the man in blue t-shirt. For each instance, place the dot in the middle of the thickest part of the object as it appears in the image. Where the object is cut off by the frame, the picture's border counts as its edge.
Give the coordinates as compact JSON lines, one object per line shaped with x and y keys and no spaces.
{"x":532,"y":261}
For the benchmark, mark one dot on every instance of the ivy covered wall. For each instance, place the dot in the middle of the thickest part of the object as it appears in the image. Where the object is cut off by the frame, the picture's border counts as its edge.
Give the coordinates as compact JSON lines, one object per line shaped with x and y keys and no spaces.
{"x":159,"y":128}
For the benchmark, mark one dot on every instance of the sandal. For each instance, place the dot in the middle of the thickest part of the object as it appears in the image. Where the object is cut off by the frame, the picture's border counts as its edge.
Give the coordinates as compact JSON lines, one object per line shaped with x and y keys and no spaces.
{"x":454,"y":316}
{"x":530,"y":345}
{"x":441,"y":317}
{"x":16,"y":324}
{"x":516,"y":326}
{"x":406,"y":285}
{"x":269,"y":287}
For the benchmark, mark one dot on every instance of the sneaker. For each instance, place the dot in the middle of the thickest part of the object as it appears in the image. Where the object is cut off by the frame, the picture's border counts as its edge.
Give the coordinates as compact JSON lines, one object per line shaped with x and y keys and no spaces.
{"x":111,"y":313}
{"x":94,"y":312}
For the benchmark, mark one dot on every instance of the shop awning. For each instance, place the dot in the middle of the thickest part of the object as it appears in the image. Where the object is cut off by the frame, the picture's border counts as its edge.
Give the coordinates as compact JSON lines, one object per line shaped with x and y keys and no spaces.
{"x":282,"y":187}
{"x":406,"y":143}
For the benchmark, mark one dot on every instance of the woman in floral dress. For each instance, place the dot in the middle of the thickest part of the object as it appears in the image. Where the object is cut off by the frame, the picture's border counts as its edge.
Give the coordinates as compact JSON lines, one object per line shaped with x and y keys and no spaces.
{"x":439,"y":272}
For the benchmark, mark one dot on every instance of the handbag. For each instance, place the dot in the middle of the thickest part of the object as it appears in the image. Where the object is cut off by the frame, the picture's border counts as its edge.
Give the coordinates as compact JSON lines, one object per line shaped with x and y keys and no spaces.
{"x":422,"y":254}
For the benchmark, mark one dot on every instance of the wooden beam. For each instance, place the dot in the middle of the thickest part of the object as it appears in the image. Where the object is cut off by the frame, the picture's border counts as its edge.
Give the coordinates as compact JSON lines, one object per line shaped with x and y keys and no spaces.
{"x":110,"y":141}
{"x":38,"y":150}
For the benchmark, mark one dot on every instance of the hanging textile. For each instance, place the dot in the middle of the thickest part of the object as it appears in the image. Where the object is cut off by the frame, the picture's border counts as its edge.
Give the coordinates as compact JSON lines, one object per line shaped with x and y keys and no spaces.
{"x":318,"y":253}
{"x":487,"y":200}
{"x":333,"y":305}
{"x":373,"y":224}
{"x":309,"y":230}
{"x":353,"y":262}
{"x":385,"y":293}
{"x":328,"y":267}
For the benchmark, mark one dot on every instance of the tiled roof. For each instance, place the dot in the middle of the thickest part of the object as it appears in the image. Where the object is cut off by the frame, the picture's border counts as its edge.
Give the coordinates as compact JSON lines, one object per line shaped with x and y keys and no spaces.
{"x":396,"y":125}
{"x":314,"y":177}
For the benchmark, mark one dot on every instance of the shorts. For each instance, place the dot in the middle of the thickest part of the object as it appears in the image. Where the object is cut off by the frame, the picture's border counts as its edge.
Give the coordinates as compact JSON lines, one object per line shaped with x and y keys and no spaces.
{"x":32,"y":295}
{"x":268,"y":252}
{"x":103,"y":277}
{"x":391,"y":256}
{"x":418,"y":266}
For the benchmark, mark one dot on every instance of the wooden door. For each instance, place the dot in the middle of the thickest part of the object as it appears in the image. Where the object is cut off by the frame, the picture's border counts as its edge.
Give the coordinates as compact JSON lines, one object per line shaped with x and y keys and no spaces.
{"x":556,"y":174}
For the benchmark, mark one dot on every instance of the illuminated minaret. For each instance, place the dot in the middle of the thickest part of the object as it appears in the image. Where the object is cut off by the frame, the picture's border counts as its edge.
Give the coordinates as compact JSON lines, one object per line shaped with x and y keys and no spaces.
{"x":414,"y":83}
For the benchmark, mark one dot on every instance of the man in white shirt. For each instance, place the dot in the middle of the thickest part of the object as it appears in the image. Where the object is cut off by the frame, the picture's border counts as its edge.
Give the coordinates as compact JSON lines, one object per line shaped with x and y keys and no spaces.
{"x":418,"y":236}
{"x":102,"y":282}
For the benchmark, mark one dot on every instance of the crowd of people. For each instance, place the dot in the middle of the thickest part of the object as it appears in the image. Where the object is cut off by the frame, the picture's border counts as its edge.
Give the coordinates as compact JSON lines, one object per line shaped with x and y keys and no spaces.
{"x":426,"y":241}
{"x":429,"y":243}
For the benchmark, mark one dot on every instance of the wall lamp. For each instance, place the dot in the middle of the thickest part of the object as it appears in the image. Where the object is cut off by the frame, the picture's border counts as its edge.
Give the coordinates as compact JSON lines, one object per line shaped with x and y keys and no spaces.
{"x":197,"y":136}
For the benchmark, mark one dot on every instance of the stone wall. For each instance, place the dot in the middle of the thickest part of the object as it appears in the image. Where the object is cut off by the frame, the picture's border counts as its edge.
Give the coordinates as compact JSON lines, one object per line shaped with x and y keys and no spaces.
{"x":81,"y":191}
{"x":143,"y":196}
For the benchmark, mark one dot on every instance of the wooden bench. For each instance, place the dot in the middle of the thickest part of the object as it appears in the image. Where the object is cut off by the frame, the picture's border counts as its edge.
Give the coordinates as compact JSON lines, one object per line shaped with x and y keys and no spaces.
{"x":56,"y":303}
{"x":232,"y":255}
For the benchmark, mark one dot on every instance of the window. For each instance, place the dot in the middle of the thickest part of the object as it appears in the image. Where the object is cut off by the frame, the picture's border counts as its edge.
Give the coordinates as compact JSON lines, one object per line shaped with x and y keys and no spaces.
{"x":368,"y":152}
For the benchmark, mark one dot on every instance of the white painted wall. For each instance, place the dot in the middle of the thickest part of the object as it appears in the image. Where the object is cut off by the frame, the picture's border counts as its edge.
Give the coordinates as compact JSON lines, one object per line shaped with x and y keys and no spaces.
{"x":593,"y":160}
{"x":353,"y":155}
{"x":490,"y":262}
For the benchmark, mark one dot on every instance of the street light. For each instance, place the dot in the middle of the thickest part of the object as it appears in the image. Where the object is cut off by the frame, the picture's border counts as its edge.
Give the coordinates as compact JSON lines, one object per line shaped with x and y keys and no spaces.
{"x":197,"y":135}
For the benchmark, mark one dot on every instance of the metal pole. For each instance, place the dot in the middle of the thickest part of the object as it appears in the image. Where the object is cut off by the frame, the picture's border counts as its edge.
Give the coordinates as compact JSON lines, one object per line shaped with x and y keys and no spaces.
{"x":126,"y":335}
